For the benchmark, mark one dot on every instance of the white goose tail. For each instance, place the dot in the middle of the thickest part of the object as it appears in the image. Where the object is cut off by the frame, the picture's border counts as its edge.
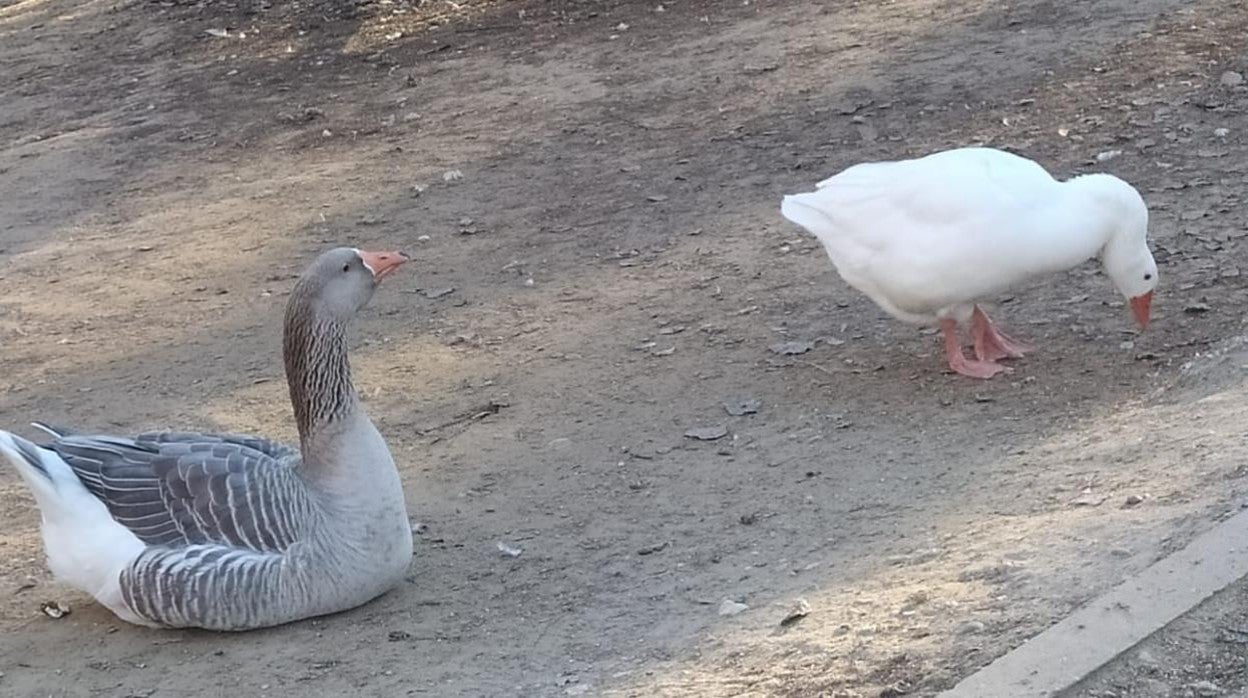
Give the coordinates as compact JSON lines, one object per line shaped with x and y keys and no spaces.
{"x":86,"y":547}
{"x":809,"y":211}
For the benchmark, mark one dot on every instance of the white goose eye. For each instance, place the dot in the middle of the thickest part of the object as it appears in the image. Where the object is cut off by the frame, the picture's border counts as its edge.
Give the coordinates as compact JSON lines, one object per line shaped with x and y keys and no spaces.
{"x":1148,"y":277}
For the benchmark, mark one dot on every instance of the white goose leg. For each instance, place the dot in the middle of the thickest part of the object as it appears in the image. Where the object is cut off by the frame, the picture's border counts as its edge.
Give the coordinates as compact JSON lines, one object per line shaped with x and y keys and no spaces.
{"x":958,"y":361}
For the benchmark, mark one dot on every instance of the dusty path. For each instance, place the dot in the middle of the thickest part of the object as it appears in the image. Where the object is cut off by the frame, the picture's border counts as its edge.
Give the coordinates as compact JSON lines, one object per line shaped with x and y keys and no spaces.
{"x":159,"y":186}
{"x":1199,"y":654}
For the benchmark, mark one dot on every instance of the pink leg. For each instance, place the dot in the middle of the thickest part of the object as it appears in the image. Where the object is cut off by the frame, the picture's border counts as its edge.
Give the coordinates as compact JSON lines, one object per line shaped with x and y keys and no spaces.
{"x":992,"y":344}
{"x":958,"y":361}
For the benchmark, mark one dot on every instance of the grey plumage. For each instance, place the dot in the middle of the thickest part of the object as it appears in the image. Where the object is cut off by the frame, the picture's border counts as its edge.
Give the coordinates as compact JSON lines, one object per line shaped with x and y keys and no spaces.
{"x":242,"y":532}
{"x":188,"y":488}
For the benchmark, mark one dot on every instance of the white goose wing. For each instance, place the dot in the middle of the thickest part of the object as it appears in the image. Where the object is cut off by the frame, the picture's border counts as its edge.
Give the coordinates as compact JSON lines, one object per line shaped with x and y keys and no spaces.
{"x":947,"y":194}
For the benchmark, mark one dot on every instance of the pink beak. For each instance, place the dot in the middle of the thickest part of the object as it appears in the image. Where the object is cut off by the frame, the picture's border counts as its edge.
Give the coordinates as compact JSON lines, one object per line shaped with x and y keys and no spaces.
{"x":1140,"y":308}
{"x":382,"y":264}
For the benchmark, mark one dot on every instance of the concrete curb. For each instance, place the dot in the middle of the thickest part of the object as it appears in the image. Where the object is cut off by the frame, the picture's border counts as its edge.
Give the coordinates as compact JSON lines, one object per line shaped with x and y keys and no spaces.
{"x":1061,"y":656}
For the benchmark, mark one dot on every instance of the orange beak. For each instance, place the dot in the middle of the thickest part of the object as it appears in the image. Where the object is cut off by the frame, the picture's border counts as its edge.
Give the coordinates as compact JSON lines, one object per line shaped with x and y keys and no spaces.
{"x":382,"y":264}
{"x":1140,"y":307}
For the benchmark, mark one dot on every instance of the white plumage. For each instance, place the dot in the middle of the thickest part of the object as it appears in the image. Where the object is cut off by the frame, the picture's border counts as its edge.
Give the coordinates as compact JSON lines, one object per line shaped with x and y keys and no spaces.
{"x":928,"y":238}
{"x":86,"y":547}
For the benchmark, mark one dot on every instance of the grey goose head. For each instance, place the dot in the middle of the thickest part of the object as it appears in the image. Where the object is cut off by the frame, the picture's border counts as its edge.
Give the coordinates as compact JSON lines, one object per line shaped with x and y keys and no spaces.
{"x":340,"y":282}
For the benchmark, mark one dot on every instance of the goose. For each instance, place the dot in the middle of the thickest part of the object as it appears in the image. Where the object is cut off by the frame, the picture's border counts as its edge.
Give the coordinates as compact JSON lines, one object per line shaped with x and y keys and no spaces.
{"x":928,"y":239}
{"x":232,"y":532}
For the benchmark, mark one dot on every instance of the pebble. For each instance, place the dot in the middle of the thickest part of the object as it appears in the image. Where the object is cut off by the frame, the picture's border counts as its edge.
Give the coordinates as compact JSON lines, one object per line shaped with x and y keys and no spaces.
{"x":707,"y":433}
{"x":741,"y":407}
{"x":509,"y":550}
{"x":800,"y":610}
{"x":731,"y":608}
{"x":1232,"y":78}
{"x":791,"y":348}
{"x":969,"y":627}
{"x":1207,"y":689}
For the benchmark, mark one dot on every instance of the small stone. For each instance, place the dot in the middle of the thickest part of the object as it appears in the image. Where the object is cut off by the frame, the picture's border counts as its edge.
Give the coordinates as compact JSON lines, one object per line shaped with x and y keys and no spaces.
{"x":1133,"y":499}
{"x":969,"y":627}
{"x":800,"y":610}
{"x":1231,"y":78}
{"x":509,"y":550}
{"x":707,"y":433}
{"x":1221,"y":132}
{"x":731,"y":608}
{"x":1107,"y":155}
{"x":741,"y":407}
{"x":1207,"y":689}
{"x":791,"y":348}
{"x":54,"y":609}
{"x":1197,"y":308}
{"x":652,"y":549}
{"x":399,"y":635}
{"x":1089,"y":499}
{"x":435,"y":293}
{"x":452,"y":176}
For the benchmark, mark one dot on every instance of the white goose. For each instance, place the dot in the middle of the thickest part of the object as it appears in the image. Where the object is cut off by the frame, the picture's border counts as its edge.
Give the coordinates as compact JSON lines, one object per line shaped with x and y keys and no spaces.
{"x":928,"y":238}
{"x":232,"y":532}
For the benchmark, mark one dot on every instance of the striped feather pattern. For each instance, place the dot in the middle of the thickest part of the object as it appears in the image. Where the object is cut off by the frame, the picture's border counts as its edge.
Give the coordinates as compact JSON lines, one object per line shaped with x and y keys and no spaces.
{"x":189,"y":488}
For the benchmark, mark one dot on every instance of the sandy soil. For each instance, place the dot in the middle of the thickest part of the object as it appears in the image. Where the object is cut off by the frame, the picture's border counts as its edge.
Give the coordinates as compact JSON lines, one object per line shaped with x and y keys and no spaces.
{"x":619,"y":270}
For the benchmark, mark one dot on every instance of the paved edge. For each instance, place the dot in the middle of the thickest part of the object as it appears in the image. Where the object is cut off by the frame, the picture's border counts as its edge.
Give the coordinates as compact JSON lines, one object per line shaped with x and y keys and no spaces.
{"x":1096,"y":634}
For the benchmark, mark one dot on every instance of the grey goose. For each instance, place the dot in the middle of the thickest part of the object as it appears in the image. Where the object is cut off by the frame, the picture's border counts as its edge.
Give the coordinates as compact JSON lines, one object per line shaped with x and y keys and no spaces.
{"x":234,"y":532}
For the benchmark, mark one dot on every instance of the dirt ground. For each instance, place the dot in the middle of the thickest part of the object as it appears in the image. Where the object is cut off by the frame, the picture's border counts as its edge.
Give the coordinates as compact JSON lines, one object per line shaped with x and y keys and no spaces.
{"x":609,"y":269}
{"x":1199,"y":655}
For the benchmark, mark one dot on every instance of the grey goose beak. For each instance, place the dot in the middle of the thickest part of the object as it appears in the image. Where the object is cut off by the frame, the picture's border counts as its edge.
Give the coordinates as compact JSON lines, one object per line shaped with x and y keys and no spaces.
{"x":382,"y":264}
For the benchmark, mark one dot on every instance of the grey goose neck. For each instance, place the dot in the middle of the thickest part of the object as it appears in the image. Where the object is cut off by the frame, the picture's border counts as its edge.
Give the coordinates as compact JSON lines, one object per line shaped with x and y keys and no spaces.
{"x":318,"y":373}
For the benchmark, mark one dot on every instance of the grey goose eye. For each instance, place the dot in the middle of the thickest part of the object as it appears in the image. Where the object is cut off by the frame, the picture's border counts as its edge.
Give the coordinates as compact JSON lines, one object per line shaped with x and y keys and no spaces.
{"x":347,"y":267}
